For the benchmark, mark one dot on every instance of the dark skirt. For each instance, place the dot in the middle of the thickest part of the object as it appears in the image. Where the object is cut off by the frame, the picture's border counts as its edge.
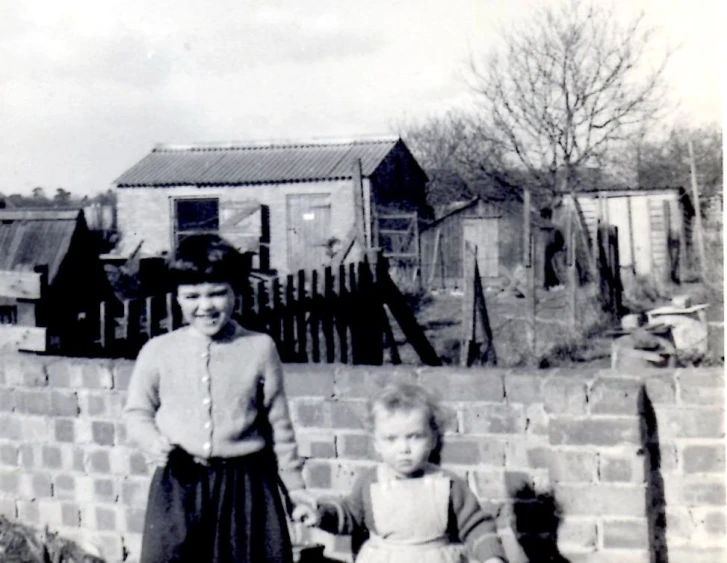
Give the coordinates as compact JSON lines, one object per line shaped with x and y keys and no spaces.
{"x":228,"y":511}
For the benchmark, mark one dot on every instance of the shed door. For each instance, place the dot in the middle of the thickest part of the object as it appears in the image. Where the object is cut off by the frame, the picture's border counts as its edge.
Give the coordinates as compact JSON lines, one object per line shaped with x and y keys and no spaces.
{"x":483,"y":233}
{"x":309,"y":229}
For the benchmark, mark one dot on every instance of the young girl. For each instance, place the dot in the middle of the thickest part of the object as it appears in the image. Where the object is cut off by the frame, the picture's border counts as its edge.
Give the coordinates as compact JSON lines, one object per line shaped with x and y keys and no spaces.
{"x":410,"y":510}
{"x":206,"y":402}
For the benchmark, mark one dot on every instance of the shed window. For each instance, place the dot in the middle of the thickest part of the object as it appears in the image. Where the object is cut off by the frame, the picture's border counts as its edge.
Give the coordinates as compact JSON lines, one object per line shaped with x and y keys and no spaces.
{"x":195,"y":216}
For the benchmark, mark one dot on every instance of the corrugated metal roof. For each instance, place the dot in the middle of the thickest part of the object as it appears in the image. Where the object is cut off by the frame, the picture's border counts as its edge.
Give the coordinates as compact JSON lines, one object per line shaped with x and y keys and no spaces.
{"x":34,"y":238}
{"x":240,"y":164}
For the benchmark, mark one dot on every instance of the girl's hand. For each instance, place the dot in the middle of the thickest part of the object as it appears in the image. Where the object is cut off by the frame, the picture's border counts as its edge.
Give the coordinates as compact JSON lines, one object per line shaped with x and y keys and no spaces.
{"x":306,"y":515}
{"x":159,"y":451}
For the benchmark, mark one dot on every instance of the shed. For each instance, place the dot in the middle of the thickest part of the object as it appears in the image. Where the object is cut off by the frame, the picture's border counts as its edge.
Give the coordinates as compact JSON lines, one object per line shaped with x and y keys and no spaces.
{"x":59,"y":244}
{"x":485,"y":214}
{"x":296,"y":204}
{"x":654,"y":226}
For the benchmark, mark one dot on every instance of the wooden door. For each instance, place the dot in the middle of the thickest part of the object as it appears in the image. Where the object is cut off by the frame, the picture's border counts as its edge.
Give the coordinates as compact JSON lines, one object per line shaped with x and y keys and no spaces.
{"x":309,"y":230}
{"x":483,"y":233}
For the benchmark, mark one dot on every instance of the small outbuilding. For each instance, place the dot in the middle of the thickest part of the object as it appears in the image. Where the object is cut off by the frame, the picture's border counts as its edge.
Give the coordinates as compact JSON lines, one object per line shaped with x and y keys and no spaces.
{"x":295,"y":205}
{"x":50,"y":273}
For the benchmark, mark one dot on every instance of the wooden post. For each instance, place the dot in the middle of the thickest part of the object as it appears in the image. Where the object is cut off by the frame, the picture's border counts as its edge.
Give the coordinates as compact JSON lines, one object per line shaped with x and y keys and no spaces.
{"x":289,"y":320}
{"x":697,"y":213}
{"x":301,"y":328}
{"x":315,"y":337}
{"x":572,"y":273}
{"x":329,"y":297}
{"x":529,"y":270}
{"x":342,"y":306}
{"x":632,"y":247}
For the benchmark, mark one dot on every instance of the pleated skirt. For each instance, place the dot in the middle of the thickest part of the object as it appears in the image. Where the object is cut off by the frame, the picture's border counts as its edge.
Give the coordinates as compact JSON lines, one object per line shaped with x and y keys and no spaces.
{"x":229,"y":511}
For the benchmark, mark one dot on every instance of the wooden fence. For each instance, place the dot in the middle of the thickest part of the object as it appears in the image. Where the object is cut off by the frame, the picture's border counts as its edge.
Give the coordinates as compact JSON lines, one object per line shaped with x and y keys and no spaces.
{"x":319,"y":316}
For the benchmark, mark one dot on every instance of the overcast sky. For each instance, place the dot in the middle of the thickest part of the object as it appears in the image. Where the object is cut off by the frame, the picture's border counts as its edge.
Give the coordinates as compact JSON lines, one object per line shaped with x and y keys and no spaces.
{"x":88,"y":87}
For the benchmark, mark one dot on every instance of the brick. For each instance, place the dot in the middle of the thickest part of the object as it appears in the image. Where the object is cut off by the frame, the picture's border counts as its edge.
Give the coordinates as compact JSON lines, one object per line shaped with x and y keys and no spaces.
{"x":469,"y":385}
{"x":32,"y":402}
{"x":492,"y":419}
{"x":58,"y":374}
{"x":103,"y":433}
{"x":661,"y":389}
{"x":492,"y":451}
{"x":70,"y":514}
{"x":64,"y":486}
{"x":51,"y":513}
{"x":523,"y":388}
{"x":316,"y":444}
{"x":8,"y":508}
{"x":104,"y":490}
{"x":710,"y":395}
{"x":134,"y":520}
{"x":36,"y":428}
{"x":36,"y":485}
{"x":7,"y":400}
{"x":565,"y":466}
{"x":98,"y":462}
{"x":134,"y":492}
{"x":691,"y":423}
{"x":348,"y":415}
{"x":64,"y":430}
{"x":714,"y":523}
{"x":122,"y":371}
{"x":110,"y":545}
{"x":116,"y":401}
{"x":9,"y":454}
{"x":564,"y":395}
{"x":362,"y":382}
{"x":577,"y":534}
{"x":703,"y":459}
{"x":122,"y":438}
{"x":355,"y":446}
{"x":490,"y":485}
{"x":615,"y":396}
{"x":28,"y":512}
{"x":63,"y":403}
{"x":132,"y":546}
{"x":27,"y":456}
{"x":309,"y":380}
{"x":626,"y":534}
{"x":96,"y":376}
{"x":461,"y":451}
{"x":616,"y":469}
{"x":536,"y":420}
{"x":312,"y":414}
{"x":697,"y":554}
{"x":10,"y":427}
{"x":609,"y":431}
{"x":51,"y":457}
{"x":317,"y":475}
{"x":105,"y":519}
{"x":613,"y":500}
{"x":138,"y":464}
{"x":9,"y":482}
{"x":703,"y":494}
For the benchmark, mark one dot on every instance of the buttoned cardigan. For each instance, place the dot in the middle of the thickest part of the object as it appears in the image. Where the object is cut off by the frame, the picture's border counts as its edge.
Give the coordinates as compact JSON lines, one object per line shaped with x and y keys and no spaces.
{"x":215,"y":397}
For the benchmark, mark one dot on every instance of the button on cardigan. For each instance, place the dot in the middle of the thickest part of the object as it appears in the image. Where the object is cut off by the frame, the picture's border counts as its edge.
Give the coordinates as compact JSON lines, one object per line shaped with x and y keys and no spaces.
{"x":214,"y":397}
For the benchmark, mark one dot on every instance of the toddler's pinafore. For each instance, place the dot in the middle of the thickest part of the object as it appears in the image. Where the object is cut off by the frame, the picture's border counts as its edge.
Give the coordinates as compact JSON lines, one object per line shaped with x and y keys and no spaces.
{"x":411,"y":518}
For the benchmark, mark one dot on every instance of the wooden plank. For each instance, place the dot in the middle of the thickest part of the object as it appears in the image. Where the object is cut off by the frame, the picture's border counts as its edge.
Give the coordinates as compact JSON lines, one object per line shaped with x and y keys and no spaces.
{"x":23,"y":338}
{"x":300,"y":322}
{"x":288,"y":343}
{"x":315,"y":338}
{"x":20,"y":285}
{"x":341,"y":315}
{"x":330,"y":301}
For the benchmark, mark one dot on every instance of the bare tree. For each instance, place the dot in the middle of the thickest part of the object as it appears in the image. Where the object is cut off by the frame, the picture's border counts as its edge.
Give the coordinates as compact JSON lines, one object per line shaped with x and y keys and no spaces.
{"x":565,"y":85}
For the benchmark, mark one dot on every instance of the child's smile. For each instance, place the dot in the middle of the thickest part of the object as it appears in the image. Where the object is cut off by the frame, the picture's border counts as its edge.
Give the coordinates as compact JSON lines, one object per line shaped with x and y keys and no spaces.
{"x":206,"y":307}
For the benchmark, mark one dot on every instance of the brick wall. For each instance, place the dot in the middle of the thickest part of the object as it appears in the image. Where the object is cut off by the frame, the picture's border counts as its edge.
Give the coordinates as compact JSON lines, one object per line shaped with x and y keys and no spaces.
{"x":575,"y":438}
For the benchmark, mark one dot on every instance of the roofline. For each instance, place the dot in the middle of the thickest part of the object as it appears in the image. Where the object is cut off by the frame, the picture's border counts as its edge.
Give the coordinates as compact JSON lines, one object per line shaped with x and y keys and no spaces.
{"x":26,"y":214}
{"x":232,"y":184}
{"x":277,"y":143}
{"x":623,"y":191}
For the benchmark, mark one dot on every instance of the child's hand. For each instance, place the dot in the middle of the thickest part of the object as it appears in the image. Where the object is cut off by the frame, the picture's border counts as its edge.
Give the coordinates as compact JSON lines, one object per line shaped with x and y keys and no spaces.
{"x":306,"y":515}
{"x":159,"y":451}
{"x":305,"y":509}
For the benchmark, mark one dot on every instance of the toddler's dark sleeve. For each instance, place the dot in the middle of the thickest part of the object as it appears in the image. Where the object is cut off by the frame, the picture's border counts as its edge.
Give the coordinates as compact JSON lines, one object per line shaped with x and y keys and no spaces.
{"x":346,"y":516}
{"x":475,"y":527}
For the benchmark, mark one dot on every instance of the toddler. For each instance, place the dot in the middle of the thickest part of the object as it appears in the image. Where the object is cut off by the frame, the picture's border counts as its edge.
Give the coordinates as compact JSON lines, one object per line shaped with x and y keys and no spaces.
{"x":408,"y":510}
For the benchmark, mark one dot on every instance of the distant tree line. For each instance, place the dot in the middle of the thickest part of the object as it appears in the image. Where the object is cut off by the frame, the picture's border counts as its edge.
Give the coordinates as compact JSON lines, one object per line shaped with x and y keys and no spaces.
{"x":60,"y":199}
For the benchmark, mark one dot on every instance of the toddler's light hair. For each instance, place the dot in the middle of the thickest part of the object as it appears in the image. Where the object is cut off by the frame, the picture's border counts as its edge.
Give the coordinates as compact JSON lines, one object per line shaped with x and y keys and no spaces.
{"x":406,"y":397}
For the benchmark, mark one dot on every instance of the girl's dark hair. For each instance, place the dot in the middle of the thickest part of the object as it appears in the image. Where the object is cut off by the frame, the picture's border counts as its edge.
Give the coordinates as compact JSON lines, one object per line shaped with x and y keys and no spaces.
{"x":207,"y":258}
{"x":407,"y":397}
